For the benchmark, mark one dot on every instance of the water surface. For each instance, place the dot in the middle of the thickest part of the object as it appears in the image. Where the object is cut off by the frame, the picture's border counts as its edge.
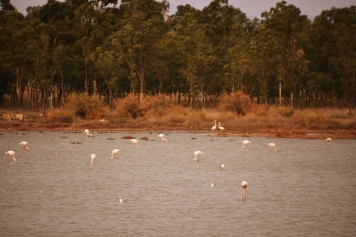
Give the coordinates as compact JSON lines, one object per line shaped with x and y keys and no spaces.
{"x":304,"y":189}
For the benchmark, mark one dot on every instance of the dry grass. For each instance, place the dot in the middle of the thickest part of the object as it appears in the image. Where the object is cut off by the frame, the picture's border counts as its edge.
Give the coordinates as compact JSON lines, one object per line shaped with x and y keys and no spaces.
{"x":161,"y":113}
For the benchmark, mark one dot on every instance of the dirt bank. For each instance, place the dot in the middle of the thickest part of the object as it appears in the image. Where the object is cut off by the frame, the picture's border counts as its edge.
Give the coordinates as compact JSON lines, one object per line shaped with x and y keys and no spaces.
{"x":246,"y":132}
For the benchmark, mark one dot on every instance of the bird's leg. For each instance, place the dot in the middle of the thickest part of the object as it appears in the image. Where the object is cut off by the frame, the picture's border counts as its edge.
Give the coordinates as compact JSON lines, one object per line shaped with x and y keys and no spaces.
{"x":243,"y":196}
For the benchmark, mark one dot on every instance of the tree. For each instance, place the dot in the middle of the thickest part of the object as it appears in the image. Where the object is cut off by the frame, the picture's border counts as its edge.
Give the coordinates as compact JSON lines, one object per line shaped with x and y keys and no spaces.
{"x":285,"y":25}
{"x":14,"y":50}
{"x":143,"y":24}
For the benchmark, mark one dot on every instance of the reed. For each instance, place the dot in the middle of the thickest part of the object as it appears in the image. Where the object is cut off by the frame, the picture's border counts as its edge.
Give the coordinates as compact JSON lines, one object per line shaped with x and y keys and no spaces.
{"x":160,"y":112}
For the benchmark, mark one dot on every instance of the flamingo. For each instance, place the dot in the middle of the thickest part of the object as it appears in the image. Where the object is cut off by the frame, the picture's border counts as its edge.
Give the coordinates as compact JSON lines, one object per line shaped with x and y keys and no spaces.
{"x":212,"y":185}
{"x":244,"y":185}
{"x":328,"y":140}
{"x":24,"y":145}
{"x":10,"y":153}
{"x":214,"y":127}
{"x":134,"y":142}
{"x":272,"y":145}
{"x":88,"y":133}
{"x":115,"y":152}
{"x":245,"y":143}
{"x":162,"y":138}
{"x":122,"y":200}
{"x":221,"y":128}
{"x":93,"y":156}
{"x":222,"y":167}
{"x":197,"y":154}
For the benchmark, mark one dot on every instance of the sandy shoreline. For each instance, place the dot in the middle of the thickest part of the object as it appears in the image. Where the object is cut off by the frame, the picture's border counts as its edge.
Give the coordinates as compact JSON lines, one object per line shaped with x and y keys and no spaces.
{"x":234,"y":132}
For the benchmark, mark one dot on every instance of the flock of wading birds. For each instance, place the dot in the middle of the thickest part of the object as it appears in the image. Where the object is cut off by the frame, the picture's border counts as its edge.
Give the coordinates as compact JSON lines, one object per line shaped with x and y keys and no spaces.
{"x":115,"y":152}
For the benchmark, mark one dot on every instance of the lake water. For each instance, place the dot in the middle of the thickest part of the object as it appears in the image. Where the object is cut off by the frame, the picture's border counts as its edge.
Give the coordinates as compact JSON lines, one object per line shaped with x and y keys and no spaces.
{"x":305,"y":189}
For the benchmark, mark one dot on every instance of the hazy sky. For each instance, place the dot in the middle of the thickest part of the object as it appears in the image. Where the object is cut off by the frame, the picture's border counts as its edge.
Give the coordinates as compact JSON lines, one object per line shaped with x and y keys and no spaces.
{"x":252,"y":8}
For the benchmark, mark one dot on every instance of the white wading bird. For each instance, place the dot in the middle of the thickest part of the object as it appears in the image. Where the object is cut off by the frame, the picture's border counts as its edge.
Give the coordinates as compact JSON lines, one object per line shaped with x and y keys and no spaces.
{"x":214,"y":127}
{"x":272,"y":146}
{"x":212,"y":185}
{"x":328,"y":140}
{"x":10,"y":153}
{"x":222,"y":167}
{"x":244,"y":185}
{"x":221,"y":128}
{"x":115,"y":152}
{"x":197,"y":154}
{"x":88,"y":133}
{"x":93,"y":156}
{"x":162,"y":138}
{"x":122,"y":200}
{"x":134,"y":142}
{"x":245,"y":143}
{"x":24,"y":145}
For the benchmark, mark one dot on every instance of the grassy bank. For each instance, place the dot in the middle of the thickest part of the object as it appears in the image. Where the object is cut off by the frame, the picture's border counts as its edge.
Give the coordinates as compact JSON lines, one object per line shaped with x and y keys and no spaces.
{"x":260,"y":120}
{"x":235,"y":112}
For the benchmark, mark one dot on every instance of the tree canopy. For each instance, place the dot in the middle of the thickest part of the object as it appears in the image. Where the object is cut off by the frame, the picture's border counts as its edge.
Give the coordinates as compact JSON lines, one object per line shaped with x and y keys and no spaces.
{"x":103,"y":48}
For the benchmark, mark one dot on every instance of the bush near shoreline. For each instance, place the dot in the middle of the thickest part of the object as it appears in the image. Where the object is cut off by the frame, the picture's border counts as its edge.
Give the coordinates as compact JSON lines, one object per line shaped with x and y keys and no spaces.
{"x":239,"y":117}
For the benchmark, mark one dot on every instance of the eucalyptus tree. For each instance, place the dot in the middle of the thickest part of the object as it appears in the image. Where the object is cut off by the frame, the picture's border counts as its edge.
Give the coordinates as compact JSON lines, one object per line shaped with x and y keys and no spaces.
{"x":13,"y":51}
{"x":6,"y":73}
{"x":333,"y":51}
{"x":142,"y":25}
{"x":344,"y":29}
{"x":52,"y":24}
{"x":109,"y":62}
{"x":285,"y":26}
{"x":228,"y":30}
{"x":86,"y":17}
{"x":197,"y":53}
{"x":263,"y":63}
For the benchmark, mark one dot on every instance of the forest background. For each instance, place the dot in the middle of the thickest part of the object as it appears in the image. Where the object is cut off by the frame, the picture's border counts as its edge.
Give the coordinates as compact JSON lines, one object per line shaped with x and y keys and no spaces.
{"x":101,"y":64}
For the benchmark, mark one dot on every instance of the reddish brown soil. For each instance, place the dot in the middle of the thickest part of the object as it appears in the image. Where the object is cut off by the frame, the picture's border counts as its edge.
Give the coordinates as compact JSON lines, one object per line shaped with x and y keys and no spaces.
{"x":285,"y":133}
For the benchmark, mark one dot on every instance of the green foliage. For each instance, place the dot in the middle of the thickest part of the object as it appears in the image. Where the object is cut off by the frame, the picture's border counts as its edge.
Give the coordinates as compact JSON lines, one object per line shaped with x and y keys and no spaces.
{"x":109,"y":50}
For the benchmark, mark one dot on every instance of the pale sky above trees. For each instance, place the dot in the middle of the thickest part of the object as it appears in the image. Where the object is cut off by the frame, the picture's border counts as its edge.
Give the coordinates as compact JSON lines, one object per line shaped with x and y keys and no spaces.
{"x":252,"y":8}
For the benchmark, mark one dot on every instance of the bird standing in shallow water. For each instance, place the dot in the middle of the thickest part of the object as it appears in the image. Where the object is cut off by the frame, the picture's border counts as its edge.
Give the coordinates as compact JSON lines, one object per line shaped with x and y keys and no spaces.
{"x":245,"y":143}
{"x":93,"y":156}
{"x":10,"y":154}
{"x":221,"y":128}
{"x":214,"y":127}
{"x":212,"y":185}
{"x":24,"y":145}
{"x":115,"y":152}
{"x":197,"y":154}
{"x":134,"y":142}
{"x":162,"y":138}
{"x":222,"y":167}
{"x":122,"y":200}
{"x":329,"y":141}
{"x":88,"y":133}
{"x":272,"y":146}
{"x":244,"y":185}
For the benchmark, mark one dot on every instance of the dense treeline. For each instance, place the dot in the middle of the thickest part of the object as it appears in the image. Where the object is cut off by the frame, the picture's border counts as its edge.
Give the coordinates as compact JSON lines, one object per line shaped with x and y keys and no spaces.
{"x":108,"y":50}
